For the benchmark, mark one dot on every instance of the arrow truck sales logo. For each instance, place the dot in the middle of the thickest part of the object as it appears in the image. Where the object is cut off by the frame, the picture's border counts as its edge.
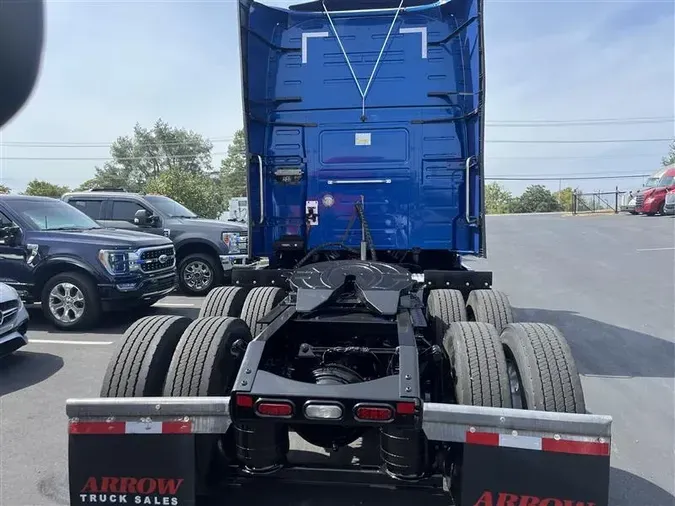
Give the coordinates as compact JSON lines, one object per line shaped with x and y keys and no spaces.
{"x":123,"y":490}
{"x":488,"y":498}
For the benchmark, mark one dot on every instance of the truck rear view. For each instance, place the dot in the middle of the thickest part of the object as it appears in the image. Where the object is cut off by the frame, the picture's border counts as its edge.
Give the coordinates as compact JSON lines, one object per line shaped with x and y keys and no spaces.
{"x":382,"y":107}
{"x":364,"y":328}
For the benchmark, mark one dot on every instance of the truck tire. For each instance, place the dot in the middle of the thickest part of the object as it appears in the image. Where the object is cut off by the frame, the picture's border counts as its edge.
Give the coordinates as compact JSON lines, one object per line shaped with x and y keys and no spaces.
{"x":259,"y":302}
{"x":478,"y":364}
{"x":139,"y":365}
{"x":198,"y":273}
{"x":444,"y":307}
{"x":545,"y":370}
{"x":223,"y":301}
{"x":489,"y":306}
{"x":203,"y":365}
{"x":70,"y":301}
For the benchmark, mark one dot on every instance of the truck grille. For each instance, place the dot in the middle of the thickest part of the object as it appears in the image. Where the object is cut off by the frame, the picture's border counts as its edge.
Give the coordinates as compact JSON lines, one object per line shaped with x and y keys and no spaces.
{"x":639,"y":200}
{"x":158,"y":259}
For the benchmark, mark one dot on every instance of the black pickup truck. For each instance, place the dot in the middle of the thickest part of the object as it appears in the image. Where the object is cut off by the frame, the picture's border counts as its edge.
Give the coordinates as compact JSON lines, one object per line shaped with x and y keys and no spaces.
{"x":205,"y":249}
{"x":56,"y":255}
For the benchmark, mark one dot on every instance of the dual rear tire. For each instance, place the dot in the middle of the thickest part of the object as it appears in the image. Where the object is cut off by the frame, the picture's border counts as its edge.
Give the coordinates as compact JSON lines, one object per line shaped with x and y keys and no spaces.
{"x":527,"y":366}
{"x":496,"y":362}
{"x":446,"y":306}
{"x":175,"y":356}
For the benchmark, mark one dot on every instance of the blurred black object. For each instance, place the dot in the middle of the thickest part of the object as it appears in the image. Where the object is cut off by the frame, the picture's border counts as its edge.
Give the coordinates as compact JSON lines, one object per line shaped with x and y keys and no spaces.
{"x":21,"y":39}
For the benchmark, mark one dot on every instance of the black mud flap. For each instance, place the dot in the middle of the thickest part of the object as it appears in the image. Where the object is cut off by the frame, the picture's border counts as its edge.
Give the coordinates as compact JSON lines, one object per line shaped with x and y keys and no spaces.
{"x":503,"y":476}
{"x":134,"y":469}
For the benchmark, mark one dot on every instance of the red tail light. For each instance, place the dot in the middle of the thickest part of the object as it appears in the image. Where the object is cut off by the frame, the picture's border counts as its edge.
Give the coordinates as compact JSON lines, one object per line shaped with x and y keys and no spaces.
{"x":245,"y":401}
{"x":405,"y":408}
{"x":374,"y":413}
{"x":274,"y":408}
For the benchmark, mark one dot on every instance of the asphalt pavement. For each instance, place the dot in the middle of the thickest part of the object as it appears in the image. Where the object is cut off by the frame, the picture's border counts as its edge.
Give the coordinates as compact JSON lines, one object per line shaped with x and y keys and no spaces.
{"x":606,"y":281}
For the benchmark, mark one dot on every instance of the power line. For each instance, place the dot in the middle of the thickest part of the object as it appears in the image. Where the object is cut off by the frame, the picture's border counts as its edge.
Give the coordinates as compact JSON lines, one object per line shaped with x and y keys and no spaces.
{"x":223,"y":153}
{"x":575,"y":141}
{"x":40,"y":144}
{"x":108,"y":159}
{"x":565,"y":178}
{"x":581,"y":123}
{"x":499,"y":123}
{"x":590,"y":157}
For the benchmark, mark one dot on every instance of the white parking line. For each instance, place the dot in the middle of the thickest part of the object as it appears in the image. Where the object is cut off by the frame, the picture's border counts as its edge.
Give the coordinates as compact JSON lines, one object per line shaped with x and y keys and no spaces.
{"x":59,"y":341}
{"x":169,"y":304}
{"x":656,"y":249}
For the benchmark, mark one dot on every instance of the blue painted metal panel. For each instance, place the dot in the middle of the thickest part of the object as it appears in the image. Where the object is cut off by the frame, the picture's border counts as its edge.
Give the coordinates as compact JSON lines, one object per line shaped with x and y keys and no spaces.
{"x":403,"y":149}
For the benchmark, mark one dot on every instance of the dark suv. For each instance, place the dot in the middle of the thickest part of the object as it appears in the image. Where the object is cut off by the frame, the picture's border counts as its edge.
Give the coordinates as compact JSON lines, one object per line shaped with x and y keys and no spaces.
{"x":205,"y":249}
{"x":56,"y":255}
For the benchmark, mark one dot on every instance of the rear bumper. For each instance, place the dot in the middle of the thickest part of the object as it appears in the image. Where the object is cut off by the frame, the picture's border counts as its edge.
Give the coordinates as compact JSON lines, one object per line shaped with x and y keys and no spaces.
{"x":505,"y":452}
{"x":440,"y":422}
{"x":127,"y":294}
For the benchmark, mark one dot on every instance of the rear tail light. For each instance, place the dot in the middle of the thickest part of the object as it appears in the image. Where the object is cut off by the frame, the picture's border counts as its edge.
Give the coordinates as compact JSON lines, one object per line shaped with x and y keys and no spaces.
{"x":405,"y":408}
{"x":280,"y":409}
{"x":373,"y":413}
{"x":245,"y":401}
{"x":323,"y":411}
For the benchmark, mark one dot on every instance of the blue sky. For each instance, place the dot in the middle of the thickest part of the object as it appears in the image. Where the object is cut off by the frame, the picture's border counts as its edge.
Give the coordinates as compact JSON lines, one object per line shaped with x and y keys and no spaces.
{"x":111,"y":64}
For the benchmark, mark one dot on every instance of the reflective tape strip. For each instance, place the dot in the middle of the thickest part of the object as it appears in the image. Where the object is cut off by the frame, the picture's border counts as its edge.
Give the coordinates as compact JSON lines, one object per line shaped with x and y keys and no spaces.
{"x":575,"y":445}
{"x":136,"y":427}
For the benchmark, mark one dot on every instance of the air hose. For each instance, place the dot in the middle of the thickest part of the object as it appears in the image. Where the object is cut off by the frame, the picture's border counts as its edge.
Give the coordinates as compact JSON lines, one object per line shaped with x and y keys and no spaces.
{"x":366,"y":229}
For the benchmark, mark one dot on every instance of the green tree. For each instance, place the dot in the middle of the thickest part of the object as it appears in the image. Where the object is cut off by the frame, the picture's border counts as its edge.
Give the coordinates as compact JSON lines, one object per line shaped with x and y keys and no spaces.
{"x":233,"y":168}
{"x":4,"y":190}
{"x":149,"y":152}
{"x":669,"y":159}
{"x":565,"y":198}
{"x":195,"y":190}
{"x":498,"y":200}
{"x":40,"y":188}
{"x":537,"y":199}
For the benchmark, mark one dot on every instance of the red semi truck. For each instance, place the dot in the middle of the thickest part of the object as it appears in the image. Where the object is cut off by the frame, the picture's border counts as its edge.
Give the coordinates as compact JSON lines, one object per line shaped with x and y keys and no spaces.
{"x":653,"y":201}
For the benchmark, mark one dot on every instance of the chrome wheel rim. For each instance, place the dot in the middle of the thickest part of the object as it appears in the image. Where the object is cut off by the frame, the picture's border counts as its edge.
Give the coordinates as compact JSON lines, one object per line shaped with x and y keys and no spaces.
{"x":197,"y":275}
{"x":66,"y":302}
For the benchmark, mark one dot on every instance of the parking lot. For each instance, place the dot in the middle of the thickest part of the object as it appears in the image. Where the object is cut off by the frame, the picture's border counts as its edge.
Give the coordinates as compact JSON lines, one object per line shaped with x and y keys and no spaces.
{"x":606,"y":281}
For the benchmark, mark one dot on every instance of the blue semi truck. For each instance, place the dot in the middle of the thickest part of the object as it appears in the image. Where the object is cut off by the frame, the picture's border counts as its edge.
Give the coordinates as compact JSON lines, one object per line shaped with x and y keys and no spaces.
{"x":354,"y":318}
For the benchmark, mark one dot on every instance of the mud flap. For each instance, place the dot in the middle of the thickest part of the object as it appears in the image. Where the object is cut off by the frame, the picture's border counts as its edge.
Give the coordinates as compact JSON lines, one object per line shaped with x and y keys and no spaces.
{"x":135,"y":469}
{"x":503,"y":476}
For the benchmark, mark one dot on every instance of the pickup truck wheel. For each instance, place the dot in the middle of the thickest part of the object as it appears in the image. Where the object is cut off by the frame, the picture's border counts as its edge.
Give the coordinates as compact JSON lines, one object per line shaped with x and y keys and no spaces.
{"x":478,"y":363}
{"x":224,"y":301}
{"x":542,"y":371}
{"x":259,"y":302}
{"x":206,"y":363}
{"x":70,"y":301}
{"x":140,"y":362}
{"x":489,"y":306}
{"x":443,"y":308}
{"x":198,"y":273}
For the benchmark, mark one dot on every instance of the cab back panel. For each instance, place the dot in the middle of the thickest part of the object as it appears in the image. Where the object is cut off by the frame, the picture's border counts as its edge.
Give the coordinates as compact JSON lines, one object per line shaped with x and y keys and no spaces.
{"x":402,"y":150}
